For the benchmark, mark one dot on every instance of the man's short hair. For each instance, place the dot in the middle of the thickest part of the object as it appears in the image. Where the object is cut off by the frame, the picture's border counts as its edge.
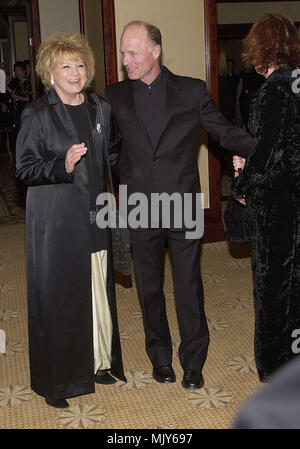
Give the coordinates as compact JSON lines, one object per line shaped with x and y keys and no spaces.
{"x":154,"y":33}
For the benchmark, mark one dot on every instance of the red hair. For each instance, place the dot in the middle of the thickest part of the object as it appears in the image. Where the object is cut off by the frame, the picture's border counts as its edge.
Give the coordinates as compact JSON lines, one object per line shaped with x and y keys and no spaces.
{"x":273,"y":41}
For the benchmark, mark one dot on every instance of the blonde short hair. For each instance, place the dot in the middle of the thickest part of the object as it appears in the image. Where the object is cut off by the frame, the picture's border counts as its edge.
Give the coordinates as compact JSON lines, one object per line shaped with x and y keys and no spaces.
{"x":66,"y":43}
{"x":222,"y":62}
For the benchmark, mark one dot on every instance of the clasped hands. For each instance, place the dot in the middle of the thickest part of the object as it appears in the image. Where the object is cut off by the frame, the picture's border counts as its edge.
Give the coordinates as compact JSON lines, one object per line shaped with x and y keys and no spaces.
{"x":239,"y":163}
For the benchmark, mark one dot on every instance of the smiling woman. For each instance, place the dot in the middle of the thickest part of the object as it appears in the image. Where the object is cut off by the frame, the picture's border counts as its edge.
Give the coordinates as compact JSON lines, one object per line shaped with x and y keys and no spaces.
{"x":68,"y":46}
{"x":73,"y":328}
{"x":69,"y":78}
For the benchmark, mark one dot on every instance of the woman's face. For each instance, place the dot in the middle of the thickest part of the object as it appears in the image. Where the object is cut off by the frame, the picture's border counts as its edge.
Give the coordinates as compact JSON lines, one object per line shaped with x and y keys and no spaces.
{"x":20,"y":73}
{"x":69,"y":77}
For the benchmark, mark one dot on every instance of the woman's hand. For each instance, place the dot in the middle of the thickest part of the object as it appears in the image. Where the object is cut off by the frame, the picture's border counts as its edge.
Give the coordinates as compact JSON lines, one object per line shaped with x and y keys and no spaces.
{"x":18,"y":97}
{"x":238,"y":162}
{"x":240,"y":200}
{"x":74,"y":154}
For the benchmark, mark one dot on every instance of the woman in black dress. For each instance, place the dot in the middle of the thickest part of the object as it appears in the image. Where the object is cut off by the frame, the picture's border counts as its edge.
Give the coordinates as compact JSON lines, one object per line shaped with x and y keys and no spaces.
{"x":73,"y":327}
{"x":270,"y":180}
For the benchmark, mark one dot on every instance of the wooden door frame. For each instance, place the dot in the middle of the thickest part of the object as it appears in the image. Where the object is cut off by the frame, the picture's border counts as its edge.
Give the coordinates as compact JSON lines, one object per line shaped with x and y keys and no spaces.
{"x":11,"y":15}
{"x":110,"y":43}
{"x":12,"y":19}
{"x":213,"y":226}
{"x":34,"y":33}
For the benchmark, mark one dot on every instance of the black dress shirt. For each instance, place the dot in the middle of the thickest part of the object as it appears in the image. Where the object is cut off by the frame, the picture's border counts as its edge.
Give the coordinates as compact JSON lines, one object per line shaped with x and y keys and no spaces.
{"x":150,"y":104}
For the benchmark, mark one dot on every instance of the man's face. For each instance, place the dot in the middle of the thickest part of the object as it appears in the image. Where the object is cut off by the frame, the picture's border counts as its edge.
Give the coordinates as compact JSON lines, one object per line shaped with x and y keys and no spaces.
{"x":140,"y":56}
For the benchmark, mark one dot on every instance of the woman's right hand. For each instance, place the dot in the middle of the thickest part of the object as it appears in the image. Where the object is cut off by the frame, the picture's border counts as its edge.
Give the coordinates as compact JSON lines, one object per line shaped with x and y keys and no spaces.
{"x":74,"y":154}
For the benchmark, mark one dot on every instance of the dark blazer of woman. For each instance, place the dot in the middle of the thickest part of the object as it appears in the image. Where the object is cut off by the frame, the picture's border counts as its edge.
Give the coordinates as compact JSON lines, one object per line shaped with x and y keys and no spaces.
{"x":58,"y":247}
{"x":272,"y":178}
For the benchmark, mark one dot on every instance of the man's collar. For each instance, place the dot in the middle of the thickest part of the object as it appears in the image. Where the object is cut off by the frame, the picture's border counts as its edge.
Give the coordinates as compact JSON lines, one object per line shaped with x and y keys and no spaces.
{"x":161,"y":76}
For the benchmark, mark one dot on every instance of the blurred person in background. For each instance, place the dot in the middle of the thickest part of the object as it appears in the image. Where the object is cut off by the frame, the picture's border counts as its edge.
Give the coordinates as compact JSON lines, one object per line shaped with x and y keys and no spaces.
{"x":249,"y":83}
{"x":20,"y":91}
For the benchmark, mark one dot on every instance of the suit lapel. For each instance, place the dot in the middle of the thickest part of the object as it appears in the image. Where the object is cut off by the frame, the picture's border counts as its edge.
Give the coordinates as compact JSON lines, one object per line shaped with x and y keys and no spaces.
{"x":98,"y":128}
{"x":63,"y":115}
{"x":171,"y":101}
{"x":128,"y":100}
{"x":70,"y":130}
{"x":92,"y":115}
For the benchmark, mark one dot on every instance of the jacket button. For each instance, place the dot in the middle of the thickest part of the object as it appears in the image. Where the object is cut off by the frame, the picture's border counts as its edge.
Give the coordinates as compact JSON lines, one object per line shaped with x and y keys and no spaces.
{"x":155,"y":159}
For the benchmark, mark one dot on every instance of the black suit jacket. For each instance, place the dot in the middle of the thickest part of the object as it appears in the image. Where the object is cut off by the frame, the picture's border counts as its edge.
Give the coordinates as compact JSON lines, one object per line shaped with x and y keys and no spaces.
{"x":172,"y":165}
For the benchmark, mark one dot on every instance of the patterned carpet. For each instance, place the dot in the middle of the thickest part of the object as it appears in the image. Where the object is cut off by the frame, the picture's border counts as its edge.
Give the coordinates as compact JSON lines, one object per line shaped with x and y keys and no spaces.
{"x":230,"y":374}
{"x":12,"y":194}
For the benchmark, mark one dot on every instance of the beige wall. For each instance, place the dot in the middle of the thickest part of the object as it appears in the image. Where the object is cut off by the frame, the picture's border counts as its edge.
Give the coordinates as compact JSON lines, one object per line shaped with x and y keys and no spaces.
{"x":21,"y":41}
{"x":94,"y":34}
{"x":57,"y":16}
{"x":63,"y":15}
{"x":182,"y":26}
{"x":250,"y":12}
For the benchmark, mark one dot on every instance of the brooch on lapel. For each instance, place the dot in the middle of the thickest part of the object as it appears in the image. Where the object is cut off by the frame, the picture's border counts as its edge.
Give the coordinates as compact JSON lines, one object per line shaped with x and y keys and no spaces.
{"x":98,"y":128}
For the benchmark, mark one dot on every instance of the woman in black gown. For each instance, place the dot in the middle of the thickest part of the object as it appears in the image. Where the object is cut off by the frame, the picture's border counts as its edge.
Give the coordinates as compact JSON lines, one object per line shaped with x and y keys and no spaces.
{"x":270,"y":180}
{"x":73,"y":327}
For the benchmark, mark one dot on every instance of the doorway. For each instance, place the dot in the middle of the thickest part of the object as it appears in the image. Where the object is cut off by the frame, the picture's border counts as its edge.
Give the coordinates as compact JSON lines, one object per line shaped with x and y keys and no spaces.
{"x":20,"y":36}
{"x":234,"y":21}
{"x":91,"y":24}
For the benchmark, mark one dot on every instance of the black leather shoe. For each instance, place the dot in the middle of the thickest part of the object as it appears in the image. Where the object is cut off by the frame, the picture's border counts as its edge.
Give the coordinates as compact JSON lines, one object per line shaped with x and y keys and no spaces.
{"x":164,"y":374}
{"x":192,"y":379}
{"x":103,"y":377}
{"x":57,"y":403}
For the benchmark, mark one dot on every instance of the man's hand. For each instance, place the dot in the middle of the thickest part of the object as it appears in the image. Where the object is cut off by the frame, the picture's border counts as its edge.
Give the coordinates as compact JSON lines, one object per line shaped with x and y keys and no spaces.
{"x":238,"y":162}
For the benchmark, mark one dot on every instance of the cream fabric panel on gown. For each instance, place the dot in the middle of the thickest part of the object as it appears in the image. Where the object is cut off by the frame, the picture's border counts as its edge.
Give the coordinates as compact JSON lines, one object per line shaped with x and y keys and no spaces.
{"x":102,"y":324}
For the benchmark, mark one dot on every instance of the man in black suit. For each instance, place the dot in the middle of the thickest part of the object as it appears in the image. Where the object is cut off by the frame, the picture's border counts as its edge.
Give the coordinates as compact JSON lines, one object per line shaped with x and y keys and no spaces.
{"x":159,"y":116}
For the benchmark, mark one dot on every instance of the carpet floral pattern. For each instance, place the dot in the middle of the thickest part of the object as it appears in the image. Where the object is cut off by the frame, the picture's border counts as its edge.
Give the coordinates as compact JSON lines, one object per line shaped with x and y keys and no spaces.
{"x":141,"y":403}
{"x":12,"y":195}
